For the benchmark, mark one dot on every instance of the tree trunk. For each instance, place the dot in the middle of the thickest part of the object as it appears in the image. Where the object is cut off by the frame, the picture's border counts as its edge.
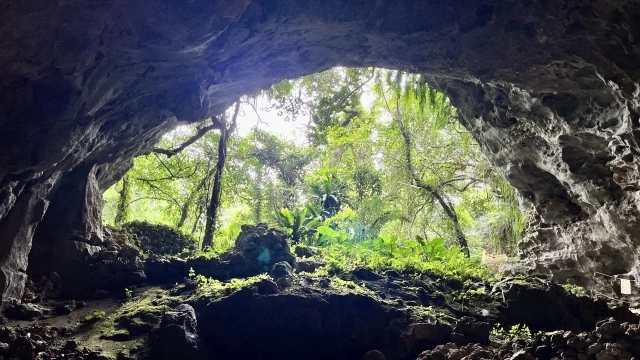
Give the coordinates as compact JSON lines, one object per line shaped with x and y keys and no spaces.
{"x":257,"y":210}
{"x":197,"y":220}
{"x":123,"y":202}
{"x":214,"y":204}
{"x":446,"y":206}
{"x":187,"y":204}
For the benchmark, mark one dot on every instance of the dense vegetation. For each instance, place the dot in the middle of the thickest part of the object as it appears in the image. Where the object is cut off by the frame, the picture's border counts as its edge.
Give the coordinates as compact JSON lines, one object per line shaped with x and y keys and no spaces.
{"x":380,"y":174}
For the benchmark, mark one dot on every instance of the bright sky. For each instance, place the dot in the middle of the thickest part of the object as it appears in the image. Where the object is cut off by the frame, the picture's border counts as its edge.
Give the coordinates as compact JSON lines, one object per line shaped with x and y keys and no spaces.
{"x":269,"y":120}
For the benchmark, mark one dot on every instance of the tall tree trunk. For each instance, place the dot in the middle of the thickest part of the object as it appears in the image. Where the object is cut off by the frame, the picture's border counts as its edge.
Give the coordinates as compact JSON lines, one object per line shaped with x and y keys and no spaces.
{"x":187,"y":204}
{"x":214,"y":204}
{"x":446,"y":205}
{"x":123,"y":202}
{"x":197,"y":220}
{"x":257,"y":210}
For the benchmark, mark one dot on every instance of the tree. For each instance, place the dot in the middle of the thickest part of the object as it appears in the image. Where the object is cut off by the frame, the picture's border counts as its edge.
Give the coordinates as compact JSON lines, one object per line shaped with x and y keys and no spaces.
{"x":216,"y":192}
{"x":122,"y":212}
{"x":426,"y":112}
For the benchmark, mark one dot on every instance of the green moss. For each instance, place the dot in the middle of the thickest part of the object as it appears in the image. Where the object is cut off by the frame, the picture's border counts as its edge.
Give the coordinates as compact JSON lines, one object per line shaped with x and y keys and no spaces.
{"x":95,"y":317}
{"x":574,"y":289}
{"x":137,"y":317}
{"x":212,"y":288}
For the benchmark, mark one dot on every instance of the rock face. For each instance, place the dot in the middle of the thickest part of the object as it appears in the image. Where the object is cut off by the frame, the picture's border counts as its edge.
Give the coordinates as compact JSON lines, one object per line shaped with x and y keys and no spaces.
{"x":177,"y":336}
{"x":610,"y":340}
{"x":256,"y":251}
{"x":549,"y":89}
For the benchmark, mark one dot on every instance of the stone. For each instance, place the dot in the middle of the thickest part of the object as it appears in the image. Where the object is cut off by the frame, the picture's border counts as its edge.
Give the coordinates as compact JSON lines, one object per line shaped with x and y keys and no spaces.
{"x":366,"y":274}
{"x":25,"y":311}
{"x":71,"y":345}
{"x":281,"y":269}
{"x":469,"y":330}
{"x":65,"y":308}
{"x":351,"y":323}
{"x":594,"y":349}
{"x":163,"y":270}
{"x":522,"y":355}
{"x":257,"y":249}
{"x":309,"y":265}
{"x":266,"y":287}
{"x":177,"y":335}
{"x":606,"y":355}
{"x":392,"y":274}
{"x":607,"y":329}
{"x":282,"y":272}
{"x":100,"y":294}
{"x":305,"y":251}
{"x":576,"y":343}
{"x":374,"y":355}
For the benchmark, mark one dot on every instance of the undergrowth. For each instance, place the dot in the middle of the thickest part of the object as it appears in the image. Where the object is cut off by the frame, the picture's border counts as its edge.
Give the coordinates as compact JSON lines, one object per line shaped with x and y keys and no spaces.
{"x":404,"y":258}
{"x":516,"y":332}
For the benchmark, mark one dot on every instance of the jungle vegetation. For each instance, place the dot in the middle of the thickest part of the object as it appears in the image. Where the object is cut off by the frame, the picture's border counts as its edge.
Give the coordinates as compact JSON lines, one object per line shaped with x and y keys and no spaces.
{"x":376,"y":168}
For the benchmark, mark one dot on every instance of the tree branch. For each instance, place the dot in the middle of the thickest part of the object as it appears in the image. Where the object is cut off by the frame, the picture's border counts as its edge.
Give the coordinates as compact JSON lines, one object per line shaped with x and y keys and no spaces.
{"x":215,"y":124}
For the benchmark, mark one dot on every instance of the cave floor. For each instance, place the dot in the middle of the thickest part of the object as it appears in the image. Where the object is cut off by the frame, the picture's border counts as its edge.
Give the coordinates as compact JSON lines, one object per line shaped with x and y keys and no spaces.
{"x":345,"y":316}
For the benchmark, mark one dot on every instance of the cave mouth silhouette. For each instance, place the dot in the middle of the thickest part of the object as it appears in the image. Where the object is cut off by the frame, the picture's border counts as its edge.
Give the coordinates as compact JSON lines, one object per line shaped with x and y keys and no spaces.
{"x":548,"y":90}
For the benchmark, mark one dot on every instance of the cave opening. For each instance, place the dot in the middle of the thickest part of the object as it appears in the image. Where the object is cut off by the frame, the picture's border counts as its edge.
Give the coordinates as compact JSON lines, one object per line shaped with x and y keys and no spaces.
{"x":329,"y":149}
{"x":547,"y":90}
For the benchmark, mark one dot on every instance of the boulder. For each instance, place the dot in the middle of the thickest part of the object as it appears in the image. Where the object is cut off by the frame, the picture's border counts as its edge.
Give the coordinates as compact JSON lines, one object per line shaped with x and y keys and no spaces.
{"x":177,"y":336}
{"x":25,"y":311}
{"x":257,"y":249}
{"x":282,"y":272}
{"x":65,"y":308}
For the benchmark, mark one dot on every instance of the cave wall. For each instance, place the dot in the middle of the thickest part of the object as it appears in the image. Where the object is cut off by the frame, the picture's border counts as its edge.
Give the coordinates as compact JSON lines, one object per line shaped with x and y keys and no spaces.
{"x":549,"y":89}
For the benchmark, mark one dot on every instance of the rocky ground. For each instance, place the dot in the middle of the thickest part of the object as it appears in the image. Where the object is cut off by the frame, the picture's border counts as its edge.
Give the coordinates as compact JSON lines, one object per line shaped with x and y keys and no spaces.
{"x":244,"y":314}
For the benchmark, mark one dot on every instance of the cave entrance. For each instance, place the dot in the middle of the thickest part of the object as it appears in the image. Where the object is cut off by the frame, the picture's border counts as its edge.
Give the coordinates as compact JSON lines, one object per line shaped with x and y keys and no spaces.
{"x":368,"y":157}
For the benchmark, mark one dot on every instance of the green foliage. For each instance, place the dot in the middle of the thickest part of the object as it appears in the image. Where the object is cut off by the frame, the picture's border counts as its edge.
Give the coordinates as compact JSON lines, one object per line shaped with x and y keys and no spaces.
{"x":216,"y":288}
{"x":390,"y":252}
{"x":94,"y":317}
{"x":329,"y":191}
{"x":301,"y":226}
{"x":516,"y":332}
{"x":347,"y":188}
{"x":434,"y":248}
{"x":575,"y":289}
{"x":330,"y":236}
{"x":128,"y":293}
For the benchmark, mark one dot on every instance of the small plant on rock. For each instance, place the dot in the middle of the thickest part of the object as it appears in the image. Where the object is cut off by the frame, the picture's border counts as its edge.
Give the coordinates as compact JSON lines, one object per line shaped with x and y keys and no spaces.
{"x":516,"y":332}
{"x":95,"y":317}
{"x":575,"y":289}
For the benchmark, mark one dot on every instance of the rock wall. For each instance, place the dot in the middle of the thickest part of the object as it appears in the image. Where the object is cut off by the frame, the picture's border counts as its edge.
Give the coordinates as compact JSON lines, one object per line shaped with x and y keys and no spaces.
{"x":549,"y":88}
